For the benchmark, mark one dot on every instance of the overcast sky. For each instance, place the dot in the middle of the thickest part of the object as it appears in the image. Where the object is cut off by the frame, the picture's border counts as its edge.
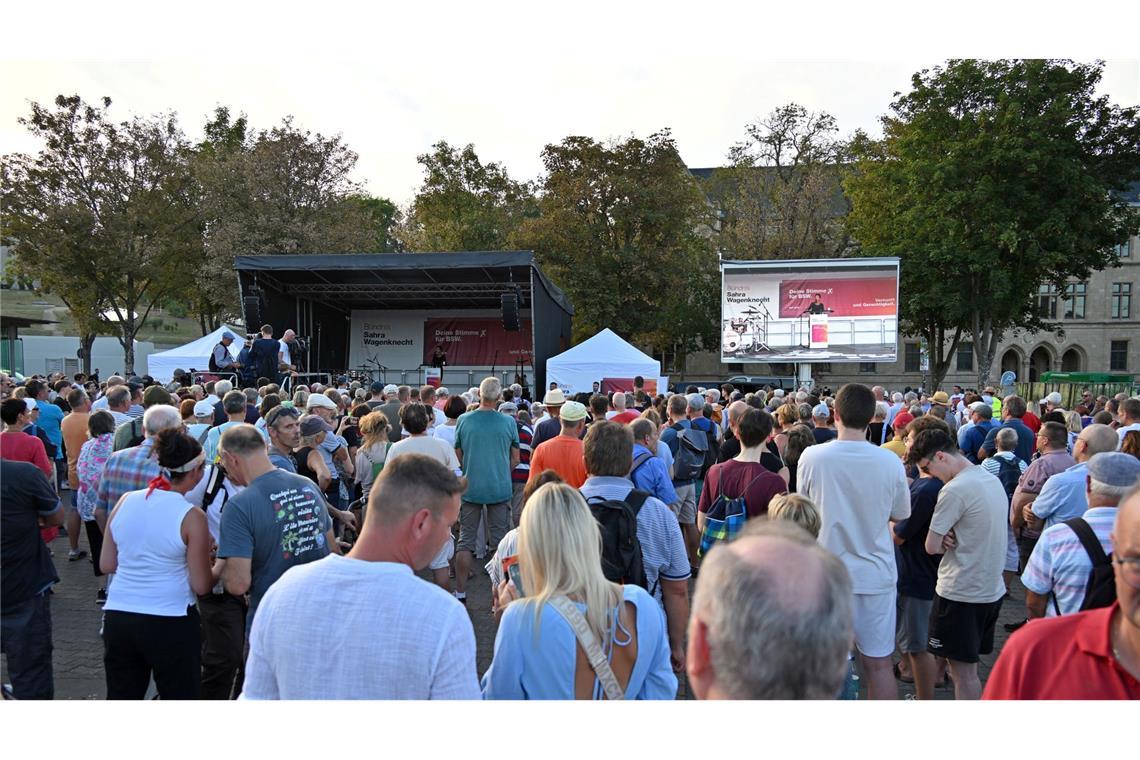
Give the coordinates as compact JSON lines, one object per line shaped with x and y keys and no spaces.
{"x":394,"y":82}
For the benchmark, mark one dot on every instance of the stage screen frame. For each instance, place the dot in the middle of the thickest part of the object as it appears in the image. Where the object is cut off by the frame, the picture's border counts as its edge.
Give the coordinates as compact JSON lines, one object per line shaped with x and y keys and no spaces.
{"x":777,"y":330}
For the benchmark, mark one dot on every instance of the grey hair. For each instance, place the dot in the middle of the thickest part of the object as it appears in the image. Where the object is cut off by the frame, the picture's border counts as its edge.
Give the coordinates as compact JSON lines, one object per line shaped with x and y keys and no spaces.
{"x":696,"y":402}
{"x":160,"y":417}
{"x":801,"y":396}
{"x":881,"y":410}
{"x":759,"y":646}
{"x":910,"y":396}
{"x":490,"y":389}
{"x":1006,"y":439}
{"x":222,"y":387}
{"x":897,"y":397}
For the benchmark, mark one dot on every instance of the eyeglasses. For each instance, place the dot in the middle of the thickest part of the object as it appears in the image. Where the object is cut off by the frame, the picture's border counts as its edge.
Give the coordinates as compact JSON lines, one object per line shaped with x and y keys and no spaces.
{"x":1129,"y":569}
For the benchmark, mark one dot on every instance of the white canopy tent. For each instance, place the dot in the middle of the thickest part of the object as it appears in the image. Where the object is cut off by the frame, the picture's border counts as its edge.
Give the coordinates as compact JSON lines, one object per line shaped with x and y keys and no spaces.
{"x":604,"y":355}
{"x":195,"y":354}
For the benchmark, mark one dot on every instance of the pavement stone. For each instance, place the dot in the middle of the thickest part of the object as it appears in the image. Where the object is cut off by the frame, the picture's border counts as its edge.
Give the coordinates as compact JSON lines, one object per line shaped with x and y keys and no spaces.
{"x":76,"y":622}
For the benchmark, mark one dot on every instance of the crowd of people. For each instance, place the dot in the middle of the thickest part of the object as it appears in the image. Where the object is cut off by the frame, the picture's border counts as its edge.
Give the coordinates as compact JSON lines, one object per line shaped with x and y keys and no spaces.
{"x":319,"y":543}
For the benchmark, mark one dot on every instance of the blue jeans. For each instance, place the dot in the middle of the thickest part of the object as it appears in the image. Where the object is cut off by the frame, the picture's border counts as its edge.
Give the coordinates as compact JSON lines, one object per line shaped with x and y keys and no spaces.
{"x":25,"y":636}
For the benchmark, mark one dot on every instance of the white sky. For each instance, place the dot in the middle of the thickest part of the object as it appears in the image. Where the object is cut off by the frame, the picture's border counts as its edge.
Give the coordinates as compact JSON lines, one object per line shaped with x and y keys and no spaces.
{"x":512,"y":77}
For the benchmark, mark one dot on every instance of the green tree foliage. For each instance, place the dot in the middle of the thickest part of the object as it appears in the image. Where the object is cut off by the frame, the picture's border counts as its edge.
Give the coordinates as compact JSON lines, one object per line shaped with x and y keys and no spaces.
{"x":619,"y":231}
{"x":464,"y":204}
{"x":281,"y":190}
{"x":992,"y":178}
{"x":780,"y":196}
{"x":104,"y":215}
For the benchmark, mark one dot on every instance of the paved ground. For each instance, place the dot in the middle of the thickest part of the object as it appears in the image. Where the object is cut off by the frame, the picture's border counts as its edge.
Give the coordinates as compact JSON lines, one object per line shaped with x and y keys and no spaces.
{"x":78,"y":649}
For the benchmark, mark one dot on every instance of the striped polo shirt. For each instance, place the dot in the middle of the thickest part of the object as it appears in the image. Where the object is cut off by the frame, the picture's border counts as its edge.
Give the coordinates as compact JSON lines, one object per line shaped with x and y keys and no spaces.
{"x":658,"y":532}
{"x":1060,"y":564}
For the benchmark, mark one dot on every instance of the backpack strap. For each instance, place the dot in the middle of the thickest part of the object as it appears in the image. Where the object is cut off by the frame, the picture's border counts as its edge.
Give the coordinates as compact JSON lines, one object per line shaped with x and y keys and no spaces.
{"x":1088,"y":540}
{"x":636,"y":500}
{"x":590,"y":646}
{"x":640,"y":460}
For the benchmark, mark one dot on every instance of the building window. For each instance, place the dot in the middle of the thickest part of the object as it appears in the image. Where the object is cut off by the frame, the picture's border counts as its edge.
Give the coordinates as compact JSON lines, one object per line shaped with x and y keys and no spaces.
{"x":1124,"y":250}
{"x":1074,"y":307}
{"x":1047,"y":302}
{"x":1121,"y":300}
{"x":1118,"y":356}
{"x":965,"y":358}
{"x":912,"y":359}
{"x":868,"y":367}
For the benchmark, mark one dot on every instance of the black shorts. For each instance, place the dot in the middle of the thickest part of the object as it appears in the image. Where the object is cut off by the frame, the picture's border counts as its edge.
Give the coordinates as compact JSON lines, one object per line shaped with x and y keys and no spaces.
{"x":961,"y":631}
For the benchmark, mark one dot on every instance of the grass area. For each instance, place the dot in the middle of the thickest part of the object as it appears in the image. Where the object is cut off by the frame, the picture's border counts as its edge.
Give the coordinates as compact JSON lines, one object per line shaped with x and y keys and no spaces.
{"x":161,"y":327}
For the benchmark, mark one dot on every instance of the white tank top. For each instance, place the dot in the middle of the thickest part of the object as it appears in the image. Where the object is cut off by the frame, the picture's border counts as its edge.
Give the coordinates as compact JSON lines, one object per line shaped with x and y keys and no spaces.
{"x":153,"y":576}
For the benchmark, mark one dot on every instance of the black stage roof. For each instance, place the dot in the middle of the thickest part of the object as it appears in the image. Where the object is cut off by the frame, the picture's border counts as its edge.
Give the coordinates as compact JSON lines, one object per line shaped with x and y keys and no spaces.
{"x":461,"y":280}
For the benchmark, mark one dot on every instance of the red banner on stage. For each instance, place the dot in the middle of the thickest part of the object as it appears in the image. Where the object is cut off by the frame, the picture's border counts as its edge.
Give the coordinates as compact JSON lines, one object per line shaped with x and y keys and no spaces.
{"x":477,"y":342}
{"x":843,"y":297}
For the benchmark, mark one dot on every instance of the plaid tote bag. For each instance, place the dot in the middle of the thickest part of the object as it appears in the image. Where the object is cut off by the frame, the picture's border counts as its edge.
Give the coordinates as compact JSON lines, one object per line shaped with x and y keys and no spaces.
{"x":725,"y":519}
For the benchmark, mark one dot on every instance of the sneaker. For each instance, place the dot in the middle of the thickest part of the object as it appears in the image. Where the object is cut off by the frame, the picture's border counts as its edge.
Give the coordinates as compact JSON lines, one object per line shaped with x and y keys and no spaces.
{"x":75,"y":556}
{"x":1011,"y":627}
{"x":101,"y":597}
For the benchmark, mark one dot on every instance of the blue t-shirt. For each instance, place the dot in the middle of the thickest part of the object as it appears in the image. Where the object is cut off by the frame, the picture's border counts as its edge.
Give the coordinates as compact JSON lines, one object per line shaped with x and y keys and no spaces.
{"x":918,"y":571}
{"x":652,"y":475}
{"x":973,"y":439}
{"x":526,"y":666}
{"x":278,"y":521}
{"x":1025,"y":439}
{"x":486,"y":438}
{"x":50,"y":418}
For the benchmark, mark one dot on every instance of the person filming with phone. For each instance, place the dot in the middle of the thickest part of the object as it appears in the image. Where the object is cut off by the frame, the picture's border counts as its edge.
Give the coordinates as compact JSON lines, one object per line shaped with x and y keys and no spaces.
{"x":568,"y":632}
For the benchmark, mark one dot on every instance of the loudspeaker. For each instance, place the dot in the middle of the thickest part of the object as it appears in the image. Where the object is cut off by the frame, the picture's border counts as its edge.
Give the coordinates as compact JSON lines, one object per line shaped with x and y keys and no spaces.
{"x":251,"y":308}
{"x":510,"y":312}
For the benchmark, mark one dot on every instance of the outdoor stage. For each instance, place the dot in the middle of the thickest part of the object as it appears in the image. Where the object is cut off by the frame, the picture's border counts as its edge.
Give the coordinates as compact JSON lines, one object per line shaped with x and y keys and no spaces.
{"x":381,"y":316}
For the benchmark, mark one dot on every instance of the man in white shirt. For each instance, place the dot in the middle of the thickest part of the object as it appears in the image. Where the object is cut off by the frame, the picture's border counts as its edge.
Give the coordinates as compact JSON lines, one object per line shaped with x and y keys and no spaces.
{"x":1128,"y":411}
{"x":367,"y":627}
{"x":858,"y":489}
{"x":285,"y":354}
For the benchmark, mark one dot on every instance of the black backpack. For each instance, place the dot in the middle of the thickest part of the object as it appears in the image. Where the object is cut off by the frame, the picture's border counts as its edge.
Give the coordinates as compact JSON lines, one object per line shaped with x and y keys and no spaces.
{"x":1100,"y":591}
{"x":137,"y":434}
{"x":712,"y":451}
{"x":621,"y":551}
{"x":1009,"y":472}
{"x":692,"y":453}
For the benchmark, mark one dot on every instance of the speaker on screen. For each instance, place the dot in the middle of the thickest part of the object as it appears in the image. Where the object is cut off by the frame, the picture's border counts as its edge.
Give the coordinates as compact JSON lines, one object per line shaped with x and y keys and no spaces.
{"x":510,"y":303}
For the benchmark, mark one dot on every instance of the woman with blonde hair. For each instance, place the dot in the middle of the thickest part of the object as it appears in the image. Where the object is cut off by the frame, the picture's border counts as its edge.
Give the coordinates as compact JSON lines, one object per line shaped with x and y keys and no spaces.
{"x":795,"y":508}
{"x":373,"y":450}
{"x":569,"y":633}
{"x":1074,"y":425}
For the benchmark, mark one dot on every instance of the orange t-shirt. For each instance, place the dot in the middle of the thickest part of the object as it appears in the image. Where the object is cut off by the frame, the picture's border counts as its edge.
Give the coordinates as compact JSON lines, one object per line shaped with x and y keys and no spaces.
{"x":74,"y":428}
{"x":564,"y":455}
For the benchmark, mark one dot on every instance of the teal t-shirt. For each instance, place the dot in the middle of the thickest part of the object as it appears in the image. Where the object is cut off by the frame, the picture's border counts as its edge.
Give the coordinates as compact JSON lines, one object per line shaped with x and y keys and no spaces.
{"x":486,"y":437}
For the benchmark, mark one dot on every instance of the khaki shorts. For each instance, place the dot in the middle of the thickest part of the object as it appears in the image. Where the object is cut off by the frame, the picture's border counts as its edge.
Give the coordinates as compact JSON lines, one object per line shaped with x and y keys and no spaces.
{"x":685,"y":507}
{"x":498,"y":523}
{"x":445,"y":554}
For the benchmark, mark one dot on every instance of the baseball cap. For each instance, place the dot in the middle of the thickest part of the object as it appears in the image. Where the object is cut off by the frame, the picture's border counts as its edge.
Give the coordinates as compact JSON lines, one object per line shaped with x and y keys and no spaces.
{"x":1114,"y":468}
{"x":821,"y":410}
{"x":311,"y":424}
{"x":572,"y":411}
{"x":940,"y":398}
{"x":319,"y":399}
{"x":30,"y":403}
{"x":227,"y":335}
{"x":1052,"y":398}
{"x":554,"y":397}
{"x":376,"y":387}
{"x":389,"y":389}
{"x":204,"y":408}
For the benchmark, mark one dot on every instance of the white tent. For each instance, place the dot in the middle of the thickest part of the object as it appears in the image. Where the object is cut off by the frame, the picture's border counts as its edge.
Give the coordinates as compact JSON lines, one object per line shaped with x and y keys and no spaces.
{"x":604,"y":355}
{"x":195,"y":354}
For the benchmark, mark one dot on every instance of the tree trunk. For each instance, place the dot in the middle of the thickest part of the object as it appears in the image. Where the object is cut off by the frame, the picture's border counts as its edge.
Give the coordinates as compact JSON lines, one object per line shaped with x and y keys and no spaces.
{"x":940,"y":359}
{"x":986,"y":337}
{"x":202,"y":324}
{"x":86,"y":341}
{"x":128,"y":330}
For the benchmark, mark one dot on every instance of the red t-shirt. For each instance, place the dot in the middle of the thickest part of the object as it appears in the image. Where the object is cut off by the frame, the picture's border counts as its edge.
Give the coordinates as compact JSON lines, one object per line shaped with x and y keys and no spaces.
{"x":1067,"y":657}
{"x":625,"y":417}
{"x":21,"y":447}
{"x":1032,"y":421}
{"x":732,"y":477}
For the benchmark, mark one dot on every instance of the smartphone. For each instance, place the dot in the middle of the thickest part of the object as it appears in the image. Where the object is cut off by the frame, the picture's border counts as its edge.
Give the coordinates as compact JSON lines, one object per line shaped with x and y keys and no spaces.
{"x":516,"y":578}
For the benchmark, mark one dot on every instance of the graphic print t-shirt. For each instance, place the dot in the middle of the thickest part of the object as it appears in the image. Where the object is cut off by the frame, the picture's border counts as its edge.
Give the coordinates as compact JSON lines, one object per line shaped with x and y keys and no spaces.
{"x":278,"y":521}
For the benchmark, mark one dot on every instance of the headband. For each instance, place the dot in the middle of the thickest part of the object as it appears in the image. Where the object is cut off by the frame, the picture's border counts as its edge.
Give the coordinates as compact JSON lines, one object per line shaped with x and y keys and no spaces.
{"x":191,"y":465}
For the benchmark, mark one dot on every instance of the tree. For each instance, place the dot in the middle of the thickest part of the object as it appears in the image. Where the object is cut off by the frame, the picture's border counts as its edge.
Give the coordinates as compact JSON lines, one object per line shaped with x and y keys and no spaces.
{"x":103,"y":215}
{"x":618,"y":230}
{"x":780,"y":197}
{"x":993,"y":177}
{"x":282,"y":190}
{"x":464,"y":204}
{"x":385,"y":217}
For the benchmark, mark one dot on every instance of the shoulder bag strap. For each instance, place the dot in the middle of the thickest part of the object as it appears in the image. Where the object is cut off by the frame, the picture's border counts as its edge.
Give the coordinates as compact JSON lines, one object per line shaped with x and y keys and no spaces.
{"x":1088,"y":540}
{"x":590,"y":645}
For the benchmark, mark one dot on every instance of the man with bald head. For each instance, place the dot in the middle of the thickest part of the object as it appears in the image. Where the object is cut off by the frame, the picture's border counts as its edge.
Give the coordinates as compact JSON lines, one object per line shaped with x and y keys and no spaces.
{"x":1086,"y":655}
{"x":1063,"y":495}
{"x":731,"y":446}
{"x":758,"y":631}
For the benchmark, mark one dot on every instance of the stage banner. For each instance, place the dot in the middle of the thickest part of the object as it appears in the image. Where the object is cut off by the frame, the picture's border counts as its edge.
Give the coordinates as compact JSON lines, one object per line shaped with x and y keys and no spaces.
{"x":432,"y":376}
{"x":841,"y":296}
{"x":477,"y":342}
